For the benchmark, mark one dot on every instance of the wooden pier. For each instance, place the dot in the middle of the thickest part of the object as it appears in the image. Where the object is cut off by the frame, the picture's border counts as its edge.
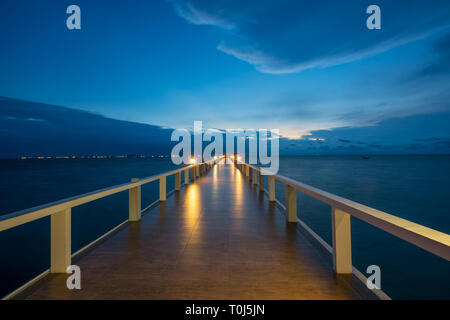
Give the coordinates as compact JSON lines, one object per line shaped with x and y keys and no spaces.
{"x":218,"y":237}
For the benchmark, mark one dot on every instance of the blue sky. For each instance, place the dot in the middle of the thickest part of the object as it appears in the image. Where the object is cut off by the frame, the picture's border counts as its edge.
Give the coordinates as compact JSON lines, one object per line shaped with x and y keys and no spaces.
{"x":300,"y":66}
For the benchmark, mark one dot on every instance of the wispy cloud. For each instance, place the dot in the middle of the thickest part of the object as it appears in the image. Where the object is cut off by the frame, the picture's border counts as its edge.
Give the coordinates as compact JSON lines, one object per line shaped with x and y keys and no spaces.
{"x":196,"y":15}
{"x":22,"y":119}
{"x":270,"y":64}
{"x":285,"y":36}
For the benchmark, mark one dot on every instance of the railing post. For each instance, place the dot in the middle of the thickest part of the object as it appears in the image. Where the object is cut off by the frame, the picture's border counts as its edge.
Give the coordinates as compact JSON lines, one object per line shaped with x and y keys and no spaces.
{"x":250,"y":174}
{"x":342,"y":243}
{"x":271,"y":188}
{"x":261,"y":181}
{"x":192,"y":173}
{"x":178,"y":181}
{"x":246,"y":171}
{"x":255,"y":176}
{"x":61,"y":246}
{"x":134,"y":201}
{"x":186,"y":176}
{"x":162,"y":188}
{"x":291,"y":204}
{"x":197,"y":171}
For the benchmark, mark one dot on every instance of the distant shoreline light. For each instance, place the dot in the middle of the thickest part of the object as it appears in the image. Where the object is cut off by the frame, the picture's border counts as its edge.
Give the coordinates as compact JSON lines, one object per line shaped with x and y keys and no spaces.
{"x":91,"y":157}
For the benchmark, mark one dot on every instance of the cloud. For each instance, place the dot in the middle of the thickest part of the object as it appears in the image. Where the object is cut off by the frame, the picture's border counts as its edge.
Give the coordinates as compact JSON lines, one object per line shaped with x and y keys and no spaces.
{"x":428,"y":133}
{"x":34,"y":129}
{"x":287,"y":36}
{"x":21,"y":119}
{"x":69,"y":131}
{"x":433,"y":140}
{"x":272,"y":65}
{"x":196,"y":15}
{"x":441,"y":64}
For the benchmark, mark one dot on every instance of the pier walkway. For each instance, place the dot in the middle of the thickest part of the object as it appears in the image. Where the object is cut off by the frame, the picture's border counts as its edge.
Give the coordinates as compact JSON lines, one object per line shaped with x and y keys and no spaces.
{"x":217,"y":238}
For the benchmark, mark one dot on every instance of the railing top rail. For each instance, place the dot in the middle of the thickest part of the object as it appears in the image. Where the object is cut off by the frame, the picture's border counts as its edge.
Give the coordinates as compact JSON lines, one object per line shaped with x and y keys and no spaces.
{"x":426,"y":238}
{"x":17,"y":218}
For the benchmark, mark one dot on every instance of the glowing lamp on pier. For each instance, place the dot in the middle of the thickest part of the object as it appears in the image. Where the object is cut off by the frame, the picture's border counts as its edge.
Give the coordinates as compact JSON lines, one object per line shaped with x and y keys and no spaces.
{"x":192,"y":160}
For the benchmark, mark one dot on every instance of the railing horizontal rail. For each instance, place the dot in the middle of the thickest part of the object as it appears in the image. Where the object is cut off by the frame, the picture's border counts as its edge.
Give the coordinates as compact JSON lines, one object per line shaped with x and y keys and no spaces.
{"x":60,"y":213}
{"x":17,"y":218}
{"x":426,"y":238}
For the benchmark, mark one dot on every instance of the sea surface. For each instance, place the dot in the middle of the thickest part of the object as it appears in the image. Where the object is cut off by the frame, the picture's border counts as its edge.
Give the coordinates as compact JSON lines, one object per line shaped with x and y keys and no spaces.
{"x":416,"y":188}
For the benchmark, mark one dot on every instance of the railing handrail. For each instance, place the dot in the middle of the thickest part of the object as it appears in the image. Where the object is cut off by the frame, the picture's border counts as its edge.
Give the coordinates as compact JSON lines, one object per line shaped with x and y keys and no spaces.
{"x":431,"y":240}
{"x":20,"y":217}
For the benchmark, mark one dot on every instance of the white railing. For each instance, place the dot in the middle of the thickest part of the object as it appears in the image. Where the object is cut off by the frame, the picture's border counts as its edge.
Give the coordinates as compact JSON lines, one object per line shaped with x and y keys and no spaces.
{"x":60,"y":211}
{"x":428,"y":239}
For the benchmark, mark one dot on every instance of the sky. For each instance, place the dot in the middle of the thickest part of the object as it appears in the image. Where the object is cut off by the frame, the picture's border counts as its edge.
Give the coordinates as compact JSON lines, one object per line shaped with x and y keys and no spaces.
{"x":309,"y":68}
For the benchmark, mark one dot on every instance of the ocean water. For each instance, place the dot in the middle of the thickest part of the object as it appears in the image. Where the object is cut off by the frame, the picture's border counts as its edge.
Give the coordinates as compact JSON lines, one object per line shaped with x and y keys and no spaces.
{"x":416,"y":188}
{"x":412,"y":187}
{"x":25,"y":250}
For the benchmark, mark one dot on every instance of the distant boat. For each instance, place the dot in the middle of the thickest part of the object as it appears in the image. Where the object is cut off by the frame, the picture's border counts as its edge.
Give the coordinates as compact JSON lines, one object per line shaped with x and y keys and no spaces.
{"x":365,"y":157}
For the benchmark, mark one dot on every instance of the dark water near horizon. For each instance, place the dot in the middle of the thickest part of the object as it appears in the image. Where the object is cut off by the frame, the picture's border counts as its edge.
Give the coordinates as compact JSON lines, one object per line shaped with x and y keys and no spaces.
{"x":416,"y":188}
